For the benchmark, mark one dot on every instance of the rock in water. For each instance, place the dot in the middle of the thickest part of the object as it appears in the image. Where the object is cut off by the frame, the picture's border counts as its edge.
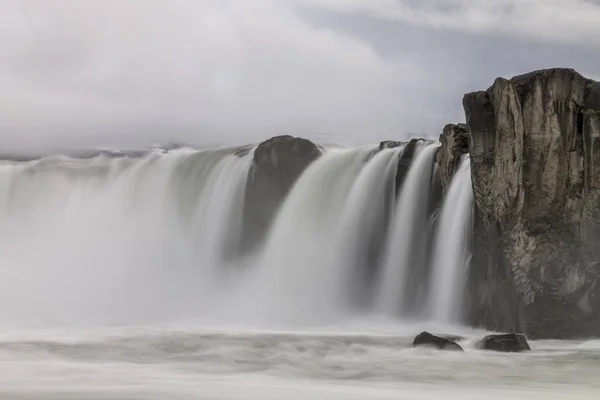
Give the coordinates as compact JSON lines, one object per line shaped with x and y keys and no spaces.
{"x":509,"y":343}
{"x":278,"y":163}
{"x":534,"y":142}
{"x":426,"y":339}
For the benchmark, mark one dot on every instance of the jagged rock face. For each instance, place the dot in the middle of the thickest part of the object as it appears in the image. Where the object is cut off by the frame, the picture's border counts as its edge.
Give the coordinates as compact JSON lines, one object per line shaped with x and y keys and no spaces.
{"x":535,"y":163}
{"x":278,"y":163}
{"x":455,"y":143}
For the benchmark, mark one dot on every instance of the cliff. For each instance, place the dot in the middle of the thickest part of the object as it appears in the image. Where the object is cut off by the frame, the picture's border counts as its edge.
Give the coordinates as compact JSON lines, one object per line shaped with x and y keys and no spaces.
{"x":534,"y":142}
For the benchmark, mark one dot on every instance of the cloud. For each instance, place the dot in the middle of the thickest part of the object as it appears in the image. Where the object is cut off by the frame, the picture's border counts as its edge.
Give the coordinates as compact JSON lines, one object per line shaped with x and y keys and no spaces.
{"x":132,"y":72}
{"x":223,"y":64}
{"x":566,"y":21}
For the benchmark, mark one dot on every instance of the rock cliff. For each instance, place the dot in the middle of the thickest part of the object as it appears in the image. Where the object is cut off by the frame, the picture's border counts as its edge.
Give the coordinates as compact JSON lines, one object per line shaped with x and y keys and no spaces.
{"x":534,"y":142}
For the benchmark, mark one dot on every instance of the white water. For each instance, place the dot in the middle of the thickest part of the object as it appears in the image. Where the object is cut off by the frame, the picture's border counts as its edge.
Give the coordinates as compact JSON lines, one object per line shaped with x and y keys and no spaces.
{"x":409,"y":229}
{"x":364,"y":221}
{"x":120,"y":281}
{"x":449,"y":266}
{"x":107,"y":240}
{"x":306,"y":269}
{"x":185,"y":363}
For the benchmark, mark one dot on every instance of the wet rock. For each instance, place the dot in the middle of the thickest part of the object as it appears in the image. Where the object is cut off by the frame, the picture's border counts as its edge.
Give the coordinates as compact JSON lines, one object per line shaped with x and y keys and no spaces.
{"x":455,"y":143}
{"x":278,"y":163}
{"x":426,"y":339}
{"x":534,"y":142}
{"x":508,"y":343}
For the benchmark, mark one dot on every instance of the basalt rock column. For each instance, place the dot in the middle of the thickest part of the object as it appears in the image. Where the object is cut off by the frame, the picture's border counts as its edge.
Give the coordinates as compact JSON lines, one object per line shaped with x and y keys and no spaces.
{"x":535,"y":160}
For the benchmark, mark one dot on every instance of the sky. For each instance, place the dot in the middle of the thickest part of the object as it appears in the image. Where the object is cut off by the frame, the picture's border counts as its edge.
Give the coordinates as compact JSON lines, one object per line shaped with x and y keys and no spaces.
{"x":130,"y":73}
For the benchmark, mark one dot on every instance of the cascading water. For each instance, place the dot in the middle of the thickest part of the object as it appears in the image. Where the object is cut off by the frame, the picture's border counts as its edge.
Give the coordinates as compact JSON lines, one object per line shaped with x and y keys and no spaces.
{"x":364,"y":220}
{"x":312,"y":252}
{"x":109,"y":239}
{"x":406,"y":242}
{"x":450,"y":259}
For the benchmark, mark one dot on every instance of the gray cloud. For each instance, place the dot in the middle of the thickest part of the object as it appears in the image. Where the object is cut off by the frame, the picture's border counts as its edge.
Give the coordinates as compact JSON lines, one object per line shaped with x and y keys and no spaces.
{"x":555,"y":21}
{"x":133,"y":72}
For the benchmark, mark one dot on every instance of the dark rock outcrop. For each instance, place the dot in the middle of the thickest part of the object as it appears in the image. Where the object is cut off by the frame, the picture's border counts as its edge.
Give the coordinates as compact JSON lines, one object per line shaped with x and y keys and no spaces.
{"x":278,"y":163}
{"x":455,"y":143}
{"x":534,"y":142}
{"x":426,"y":339}
{"x":509,"y":343}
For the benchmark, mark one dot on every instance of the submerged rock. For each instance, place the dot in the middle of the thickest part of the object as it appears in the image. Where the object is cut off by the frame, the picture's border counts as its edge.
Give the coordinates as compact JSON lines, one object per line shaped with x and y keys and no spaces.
{"x":508,"y":343}
{"x":426,"y":339}
{"x":277,"y":165}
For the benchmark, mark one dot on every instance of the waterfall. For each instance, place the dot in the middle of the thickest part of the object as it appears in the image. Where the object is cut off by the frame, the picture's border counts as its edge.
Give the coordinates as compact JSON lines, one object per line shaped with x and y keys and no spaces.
{"x":406,"y":242}
{"x":317,"y":243}
{"x":364,"y":221}
{"x":450,"y":257}
{"x":115,"y":238}
{"x":110,"y":239}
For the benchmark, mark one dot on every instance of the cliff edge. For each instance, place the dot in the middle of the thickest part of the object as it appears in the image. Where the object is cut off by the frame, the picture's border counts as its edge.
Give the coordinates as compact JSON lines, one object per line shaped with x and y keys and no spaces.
{"x":534,"y":142}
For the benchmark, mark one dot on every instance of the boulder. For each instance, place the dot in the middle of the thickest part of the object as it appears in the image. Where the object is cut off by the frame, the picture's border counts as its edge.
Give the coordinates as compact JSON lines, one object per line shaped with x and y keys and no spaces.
{"x":508,"y":343}
{"x":426,"y":339}
{"x":534,"y":142}
{"x":278,"y":163}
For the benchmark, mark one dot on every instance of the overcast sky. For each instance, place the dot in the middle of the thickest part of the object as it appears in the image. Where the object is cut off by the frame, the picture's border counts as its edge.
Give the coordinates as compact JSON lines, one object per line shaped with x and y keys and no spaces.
{"x":123,"y":73}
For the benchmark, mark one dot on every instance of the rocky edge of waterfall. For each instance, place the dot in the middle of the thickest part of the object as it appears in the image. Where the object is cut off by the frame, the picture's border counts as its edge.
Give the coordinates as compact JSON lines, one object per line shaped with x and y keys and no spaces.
{"x":534,"y":147}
